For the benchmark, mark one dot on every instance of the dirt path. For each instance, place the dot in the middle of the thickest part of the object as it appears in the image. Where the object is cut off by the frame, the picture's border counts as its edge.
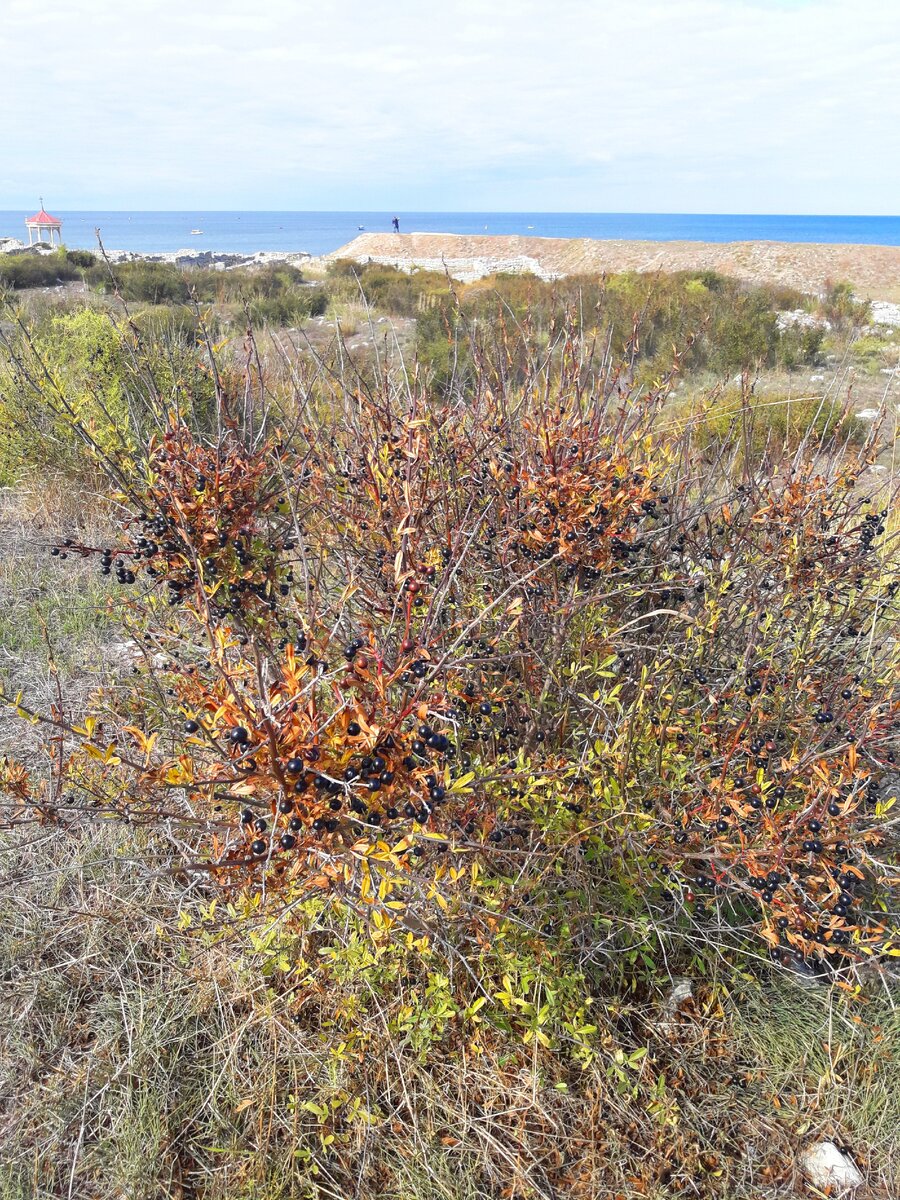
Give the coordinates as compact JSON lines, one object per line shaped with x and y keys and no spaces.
{"x":873,"y":270}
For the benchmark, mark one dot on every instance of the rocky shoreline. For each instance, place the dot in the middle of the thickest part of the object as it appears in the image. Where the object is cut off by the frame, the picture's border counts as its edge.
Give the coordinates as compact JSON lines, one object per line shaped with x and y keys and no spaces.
{"x":214,"y":258}
{"x":189,"y":257}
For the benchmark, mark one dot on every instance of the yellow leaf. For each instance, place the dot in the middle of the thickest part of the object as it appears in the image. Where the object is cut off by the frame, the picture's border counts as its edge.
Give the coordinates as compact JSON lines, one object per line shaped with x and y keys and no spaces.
{"x":460,"y":785}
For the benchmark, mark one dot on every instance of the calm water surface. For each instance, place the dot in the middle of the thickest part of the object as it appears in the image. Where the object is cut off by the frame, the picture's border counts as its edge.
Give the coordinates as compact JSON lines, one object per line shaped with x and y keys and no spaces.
{"x":321,"y":232}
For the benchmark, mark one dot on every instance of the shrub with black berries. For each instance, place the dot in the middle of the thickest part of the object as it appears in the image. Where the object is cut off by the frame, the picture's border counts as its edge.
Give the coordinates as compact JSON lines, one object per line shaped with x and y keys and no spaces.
{"x":394,"y":641}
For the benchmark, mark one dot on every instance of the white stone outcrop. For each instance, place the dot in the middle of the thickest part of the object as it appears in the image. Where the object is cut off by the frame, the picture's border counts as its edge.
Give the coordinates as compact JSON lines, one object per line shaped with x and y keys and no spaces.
{"x":466,"y":270}
{"x":219,"y":260}
{"x":14,"y":246}
{"x":882,"y":312}
{"x":799,"y":318}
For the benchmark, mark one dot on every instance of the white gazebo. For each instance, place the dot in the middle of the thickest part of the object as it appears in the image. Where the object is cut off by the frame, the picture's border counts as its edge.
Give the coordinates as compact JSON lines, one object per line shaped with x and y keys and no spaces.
{"x":42,"y":223}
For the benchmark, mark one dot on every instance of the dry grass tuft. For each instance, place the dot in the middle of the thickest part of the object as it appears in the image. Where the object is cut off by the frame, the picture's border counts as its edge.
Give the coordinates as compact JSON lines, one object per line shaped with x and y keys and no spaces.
{"x":137,"y":1061}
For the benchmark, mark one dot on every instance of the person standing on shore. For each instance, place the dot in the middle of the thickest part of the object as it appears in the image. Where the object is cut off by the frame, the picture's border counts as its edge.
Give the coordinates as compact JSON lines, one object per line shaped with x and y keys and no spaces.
{"x":396,"y":224}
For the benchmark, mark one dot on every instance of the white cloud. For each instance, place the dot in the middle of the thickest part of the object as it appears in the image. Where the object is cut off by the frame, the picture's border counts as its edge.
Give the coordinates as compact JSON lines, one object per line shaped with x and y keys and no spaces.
{"x":703,"y":105}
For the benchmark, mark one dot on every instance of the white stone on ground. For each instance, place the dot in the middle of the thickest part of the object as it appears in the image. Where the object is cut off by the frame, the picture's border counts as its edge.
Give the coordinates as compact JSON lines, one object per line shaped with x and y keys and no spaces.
{"x":826,"y":1167}
{"x":801,"y":319}
{"x":682,"y":990}
{"x":882,"y":312}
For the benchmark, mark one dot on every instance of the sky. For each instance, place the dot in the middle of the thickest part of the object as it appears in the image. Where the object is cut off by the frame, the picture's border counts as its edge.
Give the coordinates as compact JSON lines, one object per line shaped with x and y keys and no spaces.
{"x":744,"y":106}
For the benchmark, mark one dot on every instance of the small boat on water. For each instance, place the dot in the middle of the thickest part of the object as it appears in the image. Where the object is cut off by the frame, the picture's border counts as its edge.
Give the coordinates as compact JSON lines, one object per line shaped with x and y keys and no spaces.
{"x":196,"y":232}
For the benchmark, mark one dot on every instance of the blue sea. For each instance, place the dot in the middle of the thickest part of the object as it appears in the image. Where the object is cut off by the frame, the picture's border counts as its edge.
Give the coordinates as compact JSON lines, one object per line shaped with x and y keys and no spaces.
{"x":322,"y":232}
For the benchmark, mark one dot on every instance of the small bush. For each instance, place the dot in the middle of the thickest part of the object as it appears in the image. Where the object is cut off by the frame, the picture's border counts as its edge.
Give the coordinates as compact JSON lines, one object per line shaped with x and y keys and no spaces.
{"x":25,"y":270}
{"x":82,"y":258}
{"x":801,"y":346}
{"x":518,"y":545}
{"x":840,"y":307}
{"x":148,"y":282}
{"x":75,"y":386}
{"x":465,"y":717}
{"x":288,"y":309}
{"x":169,"y":323}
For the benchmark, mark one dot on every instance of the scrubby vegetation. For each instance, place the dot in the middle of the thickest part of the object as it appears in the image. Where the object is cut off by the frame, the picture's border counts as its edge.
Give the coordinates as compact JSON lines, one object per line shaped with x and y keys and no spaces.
{"x":266,"y":294}
{"x":462,"y":705}
{"x":44,"y":270}
{"x":716,"y":323}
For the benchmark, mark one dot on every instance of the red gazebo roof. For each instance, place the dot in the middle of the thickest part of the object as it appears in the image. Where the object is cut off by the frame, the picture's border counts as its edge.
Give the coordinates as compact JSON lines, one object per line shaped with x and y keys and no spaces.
{"x":43,"y":218}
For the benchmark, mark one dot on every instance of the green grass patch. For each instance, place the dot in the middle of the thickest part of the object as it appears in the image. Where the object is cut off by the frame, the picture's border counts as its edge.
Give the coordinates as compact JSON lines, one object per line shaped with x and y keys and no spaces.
{"x":871,"y":353}
{"x":769,"y":421}
{"x":41,"y":606}
{"x":842,"y":1062}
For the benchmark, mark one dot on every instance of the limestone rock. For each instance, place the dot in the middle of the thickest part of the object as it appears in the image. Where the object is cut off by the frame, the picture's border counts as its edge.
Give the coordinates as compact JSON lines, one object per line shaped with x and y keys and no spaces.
{"x":799,"y":318}
{"x":827,"y":1167}
{"x":682,"y":991}
{"x":882,"y":312}
{"x":212,"y":258}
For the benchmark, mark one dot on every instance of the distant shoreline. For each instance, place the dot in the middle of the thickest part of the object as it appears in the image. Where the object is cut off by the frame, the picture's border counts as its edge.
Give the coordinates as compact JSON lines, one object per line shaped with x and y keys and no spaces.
{"x":873,"y":270}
